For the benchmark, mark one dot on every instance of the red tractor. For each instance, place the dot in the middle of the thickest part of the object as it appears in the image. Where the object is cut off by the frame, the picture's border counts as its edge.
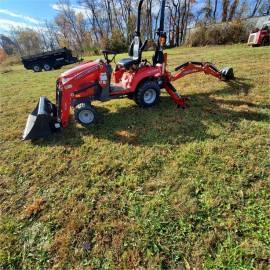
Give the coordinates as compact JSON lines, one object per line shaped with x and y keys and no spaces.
{"x":133,"y":77}
{"x":260,"y":37}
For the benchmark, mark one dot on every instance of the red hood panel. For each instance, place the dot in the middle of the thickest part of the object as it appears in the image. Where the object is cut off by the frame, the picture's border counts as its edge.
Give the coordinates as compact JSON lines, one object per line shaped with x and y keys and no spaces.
{"x":80,"y":69}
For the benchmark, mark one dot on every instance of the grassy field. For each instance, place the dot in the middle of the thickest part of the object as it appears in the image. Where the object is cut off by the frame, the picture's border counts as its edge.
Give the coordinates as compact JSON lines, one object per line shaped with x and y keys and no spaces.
{"x":159,"y":188}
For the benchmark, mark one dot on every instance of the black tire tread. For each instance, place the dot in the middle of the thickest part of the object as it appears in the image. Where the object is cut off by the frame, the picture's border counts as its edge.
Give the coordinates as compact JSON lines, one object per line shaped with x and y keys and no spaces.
{"x":85,"y":106}
{"x":140,"y":92}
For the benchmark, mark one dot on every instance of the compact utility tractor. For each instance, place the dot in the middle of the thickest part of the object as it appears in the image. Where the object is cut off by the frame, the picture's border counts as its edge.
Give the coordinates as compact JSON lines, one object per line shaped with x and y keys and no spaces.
{"x":133,"y":77}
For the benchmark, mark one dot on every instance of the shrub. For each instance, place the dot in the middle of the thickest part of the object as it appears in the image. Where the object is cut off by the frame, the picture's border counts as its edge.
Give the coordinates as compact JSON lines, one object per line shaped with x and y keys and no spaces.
{"x":236,"y":32}
{"x":217,"y":34}
{"x":151,"y":45}
{"x":11,"y":60}
{"x":214,"y":35}
{"x":197,"y":36}
{"x":3,"y":56}
{"x":116,"y":42}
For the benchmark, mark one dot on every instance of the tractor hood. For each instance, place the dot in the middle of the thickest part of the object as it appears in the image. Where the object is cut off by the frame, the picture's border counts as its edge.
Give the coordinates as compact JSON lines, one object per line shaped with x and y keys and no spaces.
{"x":80,"y":71}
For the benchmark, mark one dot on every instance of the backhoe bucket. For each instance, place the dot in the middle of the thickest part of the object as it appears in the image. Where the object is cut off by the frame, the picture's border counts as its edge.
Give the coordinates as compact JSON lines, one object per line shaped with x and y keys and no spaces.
{"x":227,"y":74}
{"x":41,"y":122}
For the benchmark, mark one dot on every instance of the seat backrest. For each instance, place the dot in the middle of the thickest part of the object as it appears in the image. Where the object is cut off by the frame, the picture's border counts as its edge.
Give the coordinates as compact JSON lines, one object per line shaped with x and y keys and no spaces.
{"x":135,"y":48}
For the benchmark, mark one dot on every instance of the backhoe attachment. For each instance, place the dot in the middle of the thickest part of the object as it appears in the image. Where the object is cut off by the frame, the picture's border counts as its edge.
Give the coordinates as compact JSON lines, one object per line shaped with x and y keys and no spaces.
{"x":224,"y":74}
{"x":192,"y":67}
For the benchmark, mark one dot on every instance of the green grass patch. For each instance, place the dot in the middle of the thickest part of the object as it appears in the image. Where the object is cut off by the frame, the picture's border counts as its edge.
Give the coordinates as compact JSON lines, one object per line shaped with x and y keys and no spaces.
{"x":159,"y":188}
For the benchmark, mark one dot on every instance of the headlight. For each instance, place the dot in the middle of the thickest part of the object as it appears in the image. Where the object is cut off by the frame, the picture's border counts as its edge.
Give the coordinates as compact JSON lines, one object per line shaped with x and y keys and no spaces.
{"x":64,"y":80}
{"x":68,"y":86}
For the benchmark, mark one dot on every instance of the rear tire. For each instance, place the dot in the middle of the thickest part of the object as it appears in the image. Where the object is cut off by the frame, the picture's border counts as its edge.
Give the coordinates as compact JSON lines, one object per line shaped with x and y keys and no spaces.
{"x":265,"y":42}
{"x":147,"y":95}
{"x":130,"y":96}
{"x":47,"y":67}
{"x":85,"y":114}
{"x":36,"y":68}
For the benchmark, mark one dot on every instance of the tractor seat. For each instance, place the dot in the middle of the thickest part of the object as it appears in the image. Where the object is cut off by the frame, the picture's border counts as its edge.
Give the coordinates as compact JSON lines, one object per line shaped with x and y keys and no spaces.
{"x":134,"y":53}
{"x":128,"y":62}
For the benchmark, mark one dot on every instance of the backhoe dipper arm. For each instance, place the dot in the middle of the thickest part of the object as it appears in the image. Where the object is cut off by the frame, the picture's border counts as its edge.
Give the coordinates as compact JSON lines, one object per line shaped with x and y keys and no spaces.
{"x":193,"y":67}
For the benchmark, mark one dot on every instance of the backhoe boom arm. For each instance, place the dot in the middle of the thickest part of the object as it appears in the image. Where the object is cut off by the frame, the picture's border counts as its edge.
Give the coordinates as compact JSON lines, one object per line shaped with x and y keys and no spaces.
{"x":193,"y":67}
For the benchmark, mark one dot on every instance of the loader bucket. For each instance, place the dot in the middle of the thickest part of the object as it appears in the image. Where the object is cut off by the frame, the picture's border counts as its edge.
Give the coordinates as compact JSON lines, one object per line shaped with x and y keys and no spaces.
{"x":227,"y":74}
{"x":41,"y":122}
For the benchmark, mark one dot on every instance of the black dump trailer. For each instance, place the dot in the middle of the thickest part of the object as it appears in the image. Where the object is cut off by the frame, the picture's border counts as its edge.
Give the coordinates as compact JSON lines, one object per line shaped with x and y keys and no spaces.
{"x":49,"y":60}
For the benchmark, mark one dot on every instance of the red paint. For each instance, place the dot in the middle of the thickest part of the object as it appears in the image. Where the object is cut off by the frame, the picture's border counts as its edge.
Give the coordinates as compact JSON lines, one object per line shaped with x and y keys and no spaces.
{"x":260,"y":36}
{"x":93,"y":73}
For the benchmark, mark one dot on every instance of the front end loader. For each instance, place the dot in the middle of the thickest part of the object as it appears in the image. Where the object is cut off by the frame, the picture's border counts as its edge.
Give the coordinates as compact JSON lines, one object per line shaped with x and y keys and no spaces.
{"x":132,"y":77}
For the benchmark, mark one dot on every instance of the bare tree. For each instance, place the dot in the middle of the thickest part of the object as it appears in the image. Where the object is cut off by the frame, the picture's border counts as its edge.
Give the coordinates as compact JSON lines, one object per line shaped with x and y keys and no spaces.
{"x":70,"y":18}
{"x":225,"y":7}
{"x":256,"y":7}
{"x":233,"y":9}
{"x":7,"y":44}
{"x":207,"y":11}
{"x":215,"y":10}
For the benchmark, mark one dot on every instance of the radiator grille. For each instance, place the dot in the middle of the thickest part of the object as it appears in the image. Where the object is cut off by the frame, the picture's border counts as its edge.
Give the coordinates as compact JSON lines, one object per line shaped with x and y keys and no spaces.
{"x":251,"y":39}
{"x":58,"y":101}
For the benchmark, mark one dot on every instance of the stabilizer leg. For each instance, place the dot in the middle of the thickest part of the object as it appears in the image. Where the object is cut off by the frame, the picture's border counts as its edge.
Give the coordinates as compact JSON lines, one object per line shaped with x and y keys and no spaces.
{"x":180,"y":101}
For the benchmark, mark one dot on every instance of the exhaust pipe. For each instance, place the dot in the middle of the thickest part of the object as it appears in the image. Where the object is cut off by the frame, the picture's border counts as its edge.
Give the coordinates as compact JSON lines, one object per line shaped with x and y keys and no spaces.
{"x":42,"y":121}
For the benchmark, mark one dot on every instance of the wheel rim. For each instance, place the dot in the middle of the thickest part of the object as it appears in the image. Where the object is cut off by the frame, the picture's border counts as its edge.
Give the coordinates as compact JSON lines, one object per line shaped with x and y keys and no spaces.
{"x":86,"y":116}
{"x":47,"y":67}
{"x":36,"y":68}
{"x":149,"y":96}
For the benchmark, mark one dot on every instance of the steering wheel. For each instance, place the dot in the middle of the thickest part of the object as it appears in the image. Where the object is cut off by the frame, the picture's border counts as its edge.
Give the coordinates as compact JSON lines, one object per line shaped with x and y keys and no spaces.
{"x":106,"y":54}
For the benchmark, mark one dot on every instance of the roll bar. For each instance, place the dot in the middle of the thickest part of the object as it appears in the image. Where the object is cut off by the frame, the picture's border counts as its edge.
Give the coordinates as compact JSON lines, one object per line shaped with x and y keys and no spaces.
{"x":162,"y":16}
{"x":138,"y":30}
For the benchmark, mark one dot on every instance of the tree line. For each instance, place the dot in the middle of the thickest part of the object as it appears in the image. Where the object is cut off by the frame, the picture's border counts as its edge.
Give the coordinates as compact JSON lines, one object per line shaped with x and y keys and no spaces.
{"x":95,"y":24}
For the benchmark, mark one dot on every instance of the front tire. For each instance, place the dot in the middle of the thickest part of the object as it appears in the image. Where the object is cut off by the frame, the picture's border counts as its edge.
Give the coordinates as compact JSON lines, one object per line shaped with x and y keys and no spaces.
{"x":265,"y":42}
{"x":147,"y":95}
{"x":85,"y":114}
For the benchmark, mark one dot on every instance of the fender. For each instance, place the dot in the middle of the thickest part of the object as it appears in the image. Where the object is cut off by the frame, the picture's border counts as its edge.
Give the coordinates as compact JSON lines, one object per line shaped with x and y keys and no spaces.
{"x":144,"y":73}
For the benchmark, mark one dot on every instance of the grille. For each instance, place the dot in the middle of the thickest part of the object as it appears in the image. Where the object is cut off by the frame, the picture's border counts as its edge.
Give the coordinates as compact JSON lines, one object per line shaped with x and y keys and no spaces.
{"x":251,"y":39}
{"x":58,"y":102}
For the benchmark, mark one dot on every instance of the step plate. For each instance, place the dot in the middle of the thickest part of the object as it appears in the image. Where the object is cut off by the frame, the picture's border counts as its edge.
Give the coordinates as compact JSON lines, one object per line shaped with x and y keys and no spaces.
{"x":117,"y":87}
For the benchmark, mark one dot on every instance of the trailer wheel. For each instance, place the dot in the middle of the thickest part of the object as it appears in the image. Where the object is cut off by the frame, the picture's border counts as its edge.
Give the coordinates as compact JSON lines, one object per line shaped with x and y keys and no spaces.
{"x":36,"y":68}
{"x":147,"y":95}
{"x":85,"y":114}
{"x":47,"y":67}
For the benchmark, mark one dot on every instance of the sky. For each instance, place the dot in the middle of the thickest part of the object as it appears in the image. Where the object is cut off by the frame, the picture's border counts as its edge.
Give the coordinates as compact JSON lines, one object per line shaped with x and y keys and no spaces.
{"x":26,"y":13}
{"x":33,"y":13}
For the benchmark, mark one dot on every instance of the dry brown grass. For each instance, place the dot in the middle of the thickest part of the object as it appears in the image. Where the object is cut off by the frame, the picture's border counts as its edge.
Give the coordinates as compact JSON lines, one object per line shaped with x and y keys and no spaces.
{"x":35,"y":207}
